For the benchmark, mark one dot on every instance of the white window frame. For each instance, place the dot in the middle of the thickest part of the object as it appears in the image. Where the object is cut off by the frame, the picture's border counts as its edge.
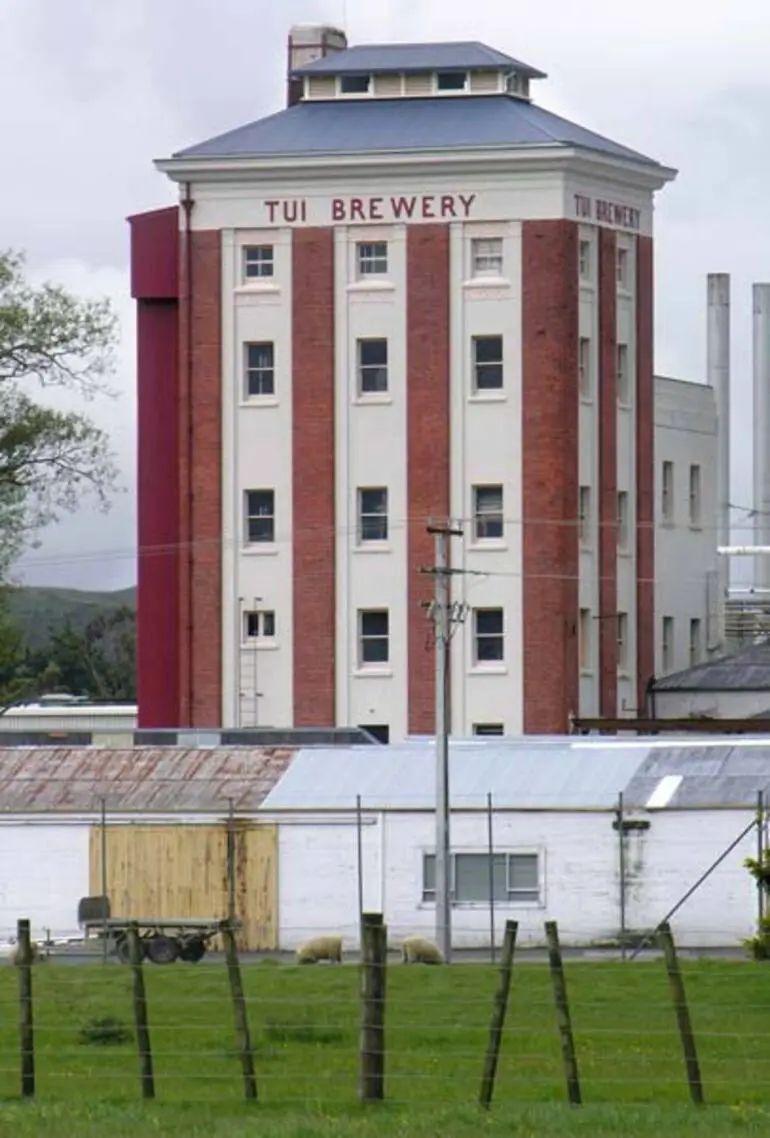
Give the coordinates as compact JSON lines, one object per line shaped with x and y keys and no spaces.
{"x":486,"y":257}
{"x":667,"y":644}
{"x":257,"y":542}
{"x":451,"y":90}
{"x":263,"y":620}
{"x":585,"y":640}
{"x":696,"y":641}
{"x":622,"y":641}
{"x":260,"y":257}
{"x":266,"y":373}
{"x":519,"y":899}
{"x":365,"y":518}
{"x":363,"y":639}
{"x":623,"y":520}
{"x":622,"y":377}
{"x":585,"y":518}
{"x":667,"y":491}
{"x":363,"y":370}
{"x":696,"y":499}
{"x":622,"y":265}
{"x":584,"y":366}
{"x":477,"y":364}
{"x":497,"y":637}
{"x":371,"y":259}
{"x":584,"y":260}
{"x":484,"y":518}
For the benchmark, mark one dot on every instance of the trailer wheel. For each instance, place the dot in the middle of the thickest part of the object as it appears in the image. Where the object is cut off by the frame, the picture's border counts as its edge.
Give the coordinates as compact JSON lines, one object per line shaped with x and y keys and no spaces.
{"x":194,"y":950}
{"x":123,"y":950}
{"x":162,"y":949}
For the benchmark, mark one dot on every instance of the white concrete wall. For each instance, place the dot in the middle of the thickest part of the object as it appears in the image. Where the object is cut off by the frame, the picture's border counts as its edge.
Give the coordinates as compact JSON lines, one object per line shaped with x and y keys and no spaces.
{"x":626,"y":473}
{"x":588,"y":472}
{"x":43,"y":875}
{"x":579,"y":871}
{"x":686,"y":435}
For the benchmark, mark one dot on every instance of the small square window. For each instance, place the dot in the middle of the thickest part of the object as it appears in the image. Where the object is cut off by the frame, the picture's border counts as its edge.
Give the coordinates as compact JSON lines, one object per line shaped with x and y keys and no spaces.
{"x":451,"y":80}
{"x":373,"y":515}
{"x":487,"y":513}
{"x":372,"y":258}
{"x":259,"y":623}
{"x":487,"y":256}
{"x":584,"y":365}
{"x":260,"y":516}
{"x":373,"y":637}
{"x":355,"y":84}
{"x":260,"y":370}
{"x":487,"y":363}
{"x":585,"y":260}
{"x":258,"y":262}
{"x":488,"y":636}
{"x":372,"y":367}
{"x":622,"y":378}
{"x":622,"y":268}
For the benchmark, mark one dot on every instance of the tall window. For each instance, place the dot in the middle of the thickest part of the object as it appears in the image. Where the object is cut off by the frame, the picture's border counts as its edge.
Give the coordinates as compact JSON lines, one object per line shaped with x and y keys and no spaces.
{"x":695,"y":496}
{"x":487,"y":363}
{"x":515,"y":878}
{"x":584,"y":514}
{"x":372,"y":366}
{"x":373,"y":636}
{"x":622,"y":267}
{"x":372,"y":258}
{"x":488,"y":636}
{"x":258,"y":262}
{"x":260,"y":370}
{"x":487,"y":256}
{"x":260,"y":516}
{"x":584,"y":365}
{"x":585,"y":633}
{"x":373,"y":514}
{"x":667,"y":492}
{"x":667,"y":645}
{"x":622,"y":640}
{"x":696,"y":642}
{"x":585,"y":260}
{"x":622,"y":378}
{"x":623,"y":519}
{"x":487,"y":513}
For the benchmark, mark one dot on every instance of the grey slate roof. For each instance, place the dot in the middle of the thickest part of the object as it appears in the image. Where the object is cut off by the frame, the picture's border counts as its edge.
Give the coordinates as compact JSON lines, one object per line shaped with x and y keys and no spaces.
{"x":414,"y":57}
{"x":568,"y":773}
{"x":391,"y":125}
{"x":746,"y":670}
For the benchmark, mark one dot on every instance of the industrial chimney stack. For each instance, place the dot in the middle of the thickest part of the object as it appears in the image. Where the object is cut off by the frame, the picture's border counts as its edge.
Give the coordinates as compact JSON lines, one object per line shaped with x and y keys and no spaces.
{"x":761,"y":352}
{"x":308,"y":42}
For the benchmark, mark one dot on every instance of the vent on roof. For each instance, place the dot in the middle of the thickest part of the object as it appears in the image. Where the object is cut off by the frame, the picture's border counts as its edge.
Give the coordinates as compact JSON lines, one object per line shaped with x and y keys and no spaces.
{"x":485,"y":82}
{"x":388,"y":86}
{"x":418,"y":85}
{"x":321,"y":87}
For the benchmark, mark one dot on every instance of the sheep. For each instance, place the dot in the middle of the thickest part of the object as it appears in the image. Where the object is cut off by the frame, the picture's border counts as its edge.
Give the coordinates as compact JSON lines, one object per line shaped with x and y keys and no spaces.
{"x":321,"y":948}
{"x":418,"y":950}
{"x":35,"y":957}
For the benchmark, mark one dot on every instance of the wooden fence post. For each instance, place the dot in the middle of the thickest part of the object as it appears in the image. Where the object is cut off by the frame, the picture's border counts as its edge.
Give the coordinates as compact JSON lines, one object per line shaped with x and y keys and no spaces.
{"x":239,"y":1008}
{"x":26,"y":1018}
{"x":371,"y":1083}
{"x":498,"y":1015}
{"x":135,"y":956}
{"x":686,"y":1034}
{"x":562,"y":1013}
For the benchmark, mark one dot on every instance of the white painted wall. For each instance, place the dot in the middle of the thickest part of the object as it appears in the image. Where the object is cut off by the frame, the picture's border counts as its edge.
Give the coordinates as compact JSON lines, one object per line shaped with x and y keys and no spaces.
{"x":579,"y":873}
{"x":626,"y":474}
{"x":43,"y":875}
{"x":685,"y":434}
{"x":588,"y":474}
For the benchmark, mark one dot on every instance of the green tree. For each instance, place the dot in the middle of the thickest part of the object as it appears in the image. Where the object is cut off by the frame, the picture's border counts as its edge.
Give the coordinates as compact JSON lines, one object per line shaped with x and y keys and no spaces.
{"x":49,"y":458}
{"x":98,"y":661}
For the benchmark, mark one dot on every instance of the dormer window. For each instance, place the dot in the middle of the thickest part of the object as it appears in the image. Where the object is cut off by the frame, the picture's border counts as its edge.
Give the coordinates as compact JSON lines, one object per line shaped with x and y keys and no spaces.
{"x":355,"y":84}
{"x":451,"y":80}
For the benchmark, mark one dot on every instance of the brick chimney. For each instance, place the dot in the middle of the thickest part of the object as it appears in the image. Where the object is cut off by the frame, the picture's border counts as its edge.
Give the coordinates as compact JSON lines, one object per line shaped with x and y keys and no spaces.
{"x":308,"y":42}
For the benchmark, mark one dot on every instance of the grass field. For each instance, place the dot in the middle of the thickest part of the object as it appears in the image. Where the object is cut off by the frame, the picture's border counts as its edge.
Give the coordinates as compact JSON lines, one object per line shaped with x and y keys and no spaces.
{"x":305,"y":1029}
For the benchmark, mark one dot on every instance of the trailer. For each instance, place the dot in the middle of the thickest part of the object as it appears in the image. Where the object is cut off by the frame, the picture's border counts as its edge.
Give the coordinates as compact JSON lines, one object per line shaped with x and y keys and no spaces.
{"x":161,"y":941}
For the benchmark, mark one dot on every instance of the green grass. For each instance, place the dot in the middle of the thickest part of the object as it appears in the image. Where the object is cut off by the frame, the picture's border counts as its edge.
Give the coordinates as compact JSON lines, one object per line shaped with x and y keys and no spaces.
{"x":305,"y":1029}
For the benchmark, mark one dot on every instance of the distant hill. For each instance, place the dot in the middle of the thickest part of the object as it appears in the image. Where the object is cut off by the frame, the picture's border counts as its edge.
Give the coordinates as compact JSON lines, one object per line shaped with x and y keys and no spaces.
{"x":38,"y":611}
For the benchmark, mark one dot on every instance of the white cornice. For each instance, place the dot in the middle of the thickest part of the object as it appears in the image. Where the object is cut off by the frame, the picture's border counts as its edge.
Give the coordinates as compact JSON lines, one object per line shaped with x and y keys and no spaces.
{"x":535,"y":159}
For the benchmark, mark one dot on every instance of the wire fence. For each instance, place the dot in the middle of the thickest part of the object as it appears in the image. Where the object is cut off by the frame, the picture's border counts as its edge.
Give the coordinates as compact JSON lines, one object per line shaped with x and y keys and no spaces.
{"x":661,"y":1031}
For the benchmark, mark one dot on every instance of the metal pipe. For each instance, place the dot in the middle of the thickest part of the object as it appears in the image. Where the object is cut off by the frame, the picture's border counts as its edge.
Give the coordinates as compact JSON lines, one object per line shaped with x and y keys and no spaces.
{"x":187,"y":207}
{"x":622,"y":873}
{"x":491,"y":859}
{"x":443,"y":881}
{"x":761,"y":385}
{"x":231,"y":913}
{"x":360,"y":861}
{"x":760,"y":857}
{"x":104,"y":878}
{"x":718,"y":375}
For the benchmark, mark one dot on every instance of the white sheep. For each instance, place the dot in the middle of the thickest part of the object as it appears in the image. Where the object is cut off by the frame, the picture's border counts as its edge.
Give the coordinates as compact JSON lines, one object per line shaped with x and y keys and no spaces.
{"x":321,"y":948}
{"x":418,"y":950}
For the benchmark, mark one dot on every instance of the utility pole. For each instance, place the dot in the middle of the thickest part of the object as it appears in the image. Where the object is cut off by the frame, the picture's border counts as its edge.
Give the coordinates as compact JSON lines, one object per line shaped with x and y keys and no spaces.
{"x":445,"y":615}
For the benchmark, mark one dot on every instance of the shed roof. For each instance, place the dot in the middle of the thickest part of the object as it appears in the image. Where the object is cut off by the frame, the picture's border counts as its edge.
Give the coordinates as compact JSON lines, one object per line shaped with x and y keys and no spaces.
{"x":403,"y":58}
{"x":745,"y":670}
{"x":403,"y":125}
{"x":164,"y":780}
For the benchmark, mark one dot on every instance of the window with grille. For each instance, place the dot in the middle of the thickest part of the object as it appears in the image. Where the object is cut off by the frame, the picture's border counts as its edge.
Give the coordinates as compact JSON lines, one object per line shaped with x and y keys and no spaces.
{"x":260,"y":370}
{"x":515,"y":878}
{"x":487,"y":513}
{"x":372,"y":367}
{"x":259,"y":623}
{"x":258,"y":262}
{"x":372,"y":258}
{"x":487,"y":256}
{"x":260,"y":516}
{"x":373,"y":514}
{"x":487,"y":363}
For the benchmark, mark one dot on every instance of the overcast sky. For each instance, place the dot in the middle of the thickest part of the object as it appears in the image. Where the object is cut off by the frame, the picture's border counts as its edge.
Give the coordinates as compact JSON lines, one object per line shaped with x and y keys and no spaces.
{"x":91,"y":92}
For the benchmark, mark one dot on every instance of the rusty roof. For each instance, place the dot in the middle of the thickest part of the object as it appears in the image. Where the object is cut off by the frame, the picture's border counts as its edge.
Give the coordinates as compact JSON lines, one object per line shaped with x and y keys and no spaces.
{"x":158,"y":780}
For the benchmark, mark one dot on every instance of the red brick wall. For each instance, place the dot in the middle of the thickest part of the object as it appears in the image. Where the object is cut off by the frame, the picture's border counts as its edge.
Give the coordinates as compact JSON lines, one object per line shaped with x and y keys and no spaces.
{"x":550,"y":473}
{"x":645,"y":471}
{"x":608,"y":475}
{"x":313,"y":477}
{"x":200,"y":436}
{"x":427,"y":383}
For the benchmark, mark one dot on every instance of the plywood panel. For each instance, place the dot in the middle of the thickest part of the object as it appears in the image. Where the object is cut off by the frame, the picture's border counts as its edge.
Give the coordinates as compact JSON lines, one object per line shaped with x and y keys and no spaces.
{"x":172,"y":872}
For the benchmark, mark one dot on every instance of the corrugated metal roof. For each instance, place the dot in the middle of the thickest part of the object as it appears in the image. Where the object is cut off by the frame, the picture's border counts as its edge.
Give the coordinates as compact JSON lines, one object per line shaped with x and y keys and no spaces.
{"x":164,"y":780}
{"x":410,"y":57}
{"x":524,"y":773}
{"x":746,"y":670}
{"x":718,"y":774}
{"x":393,"y":125}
